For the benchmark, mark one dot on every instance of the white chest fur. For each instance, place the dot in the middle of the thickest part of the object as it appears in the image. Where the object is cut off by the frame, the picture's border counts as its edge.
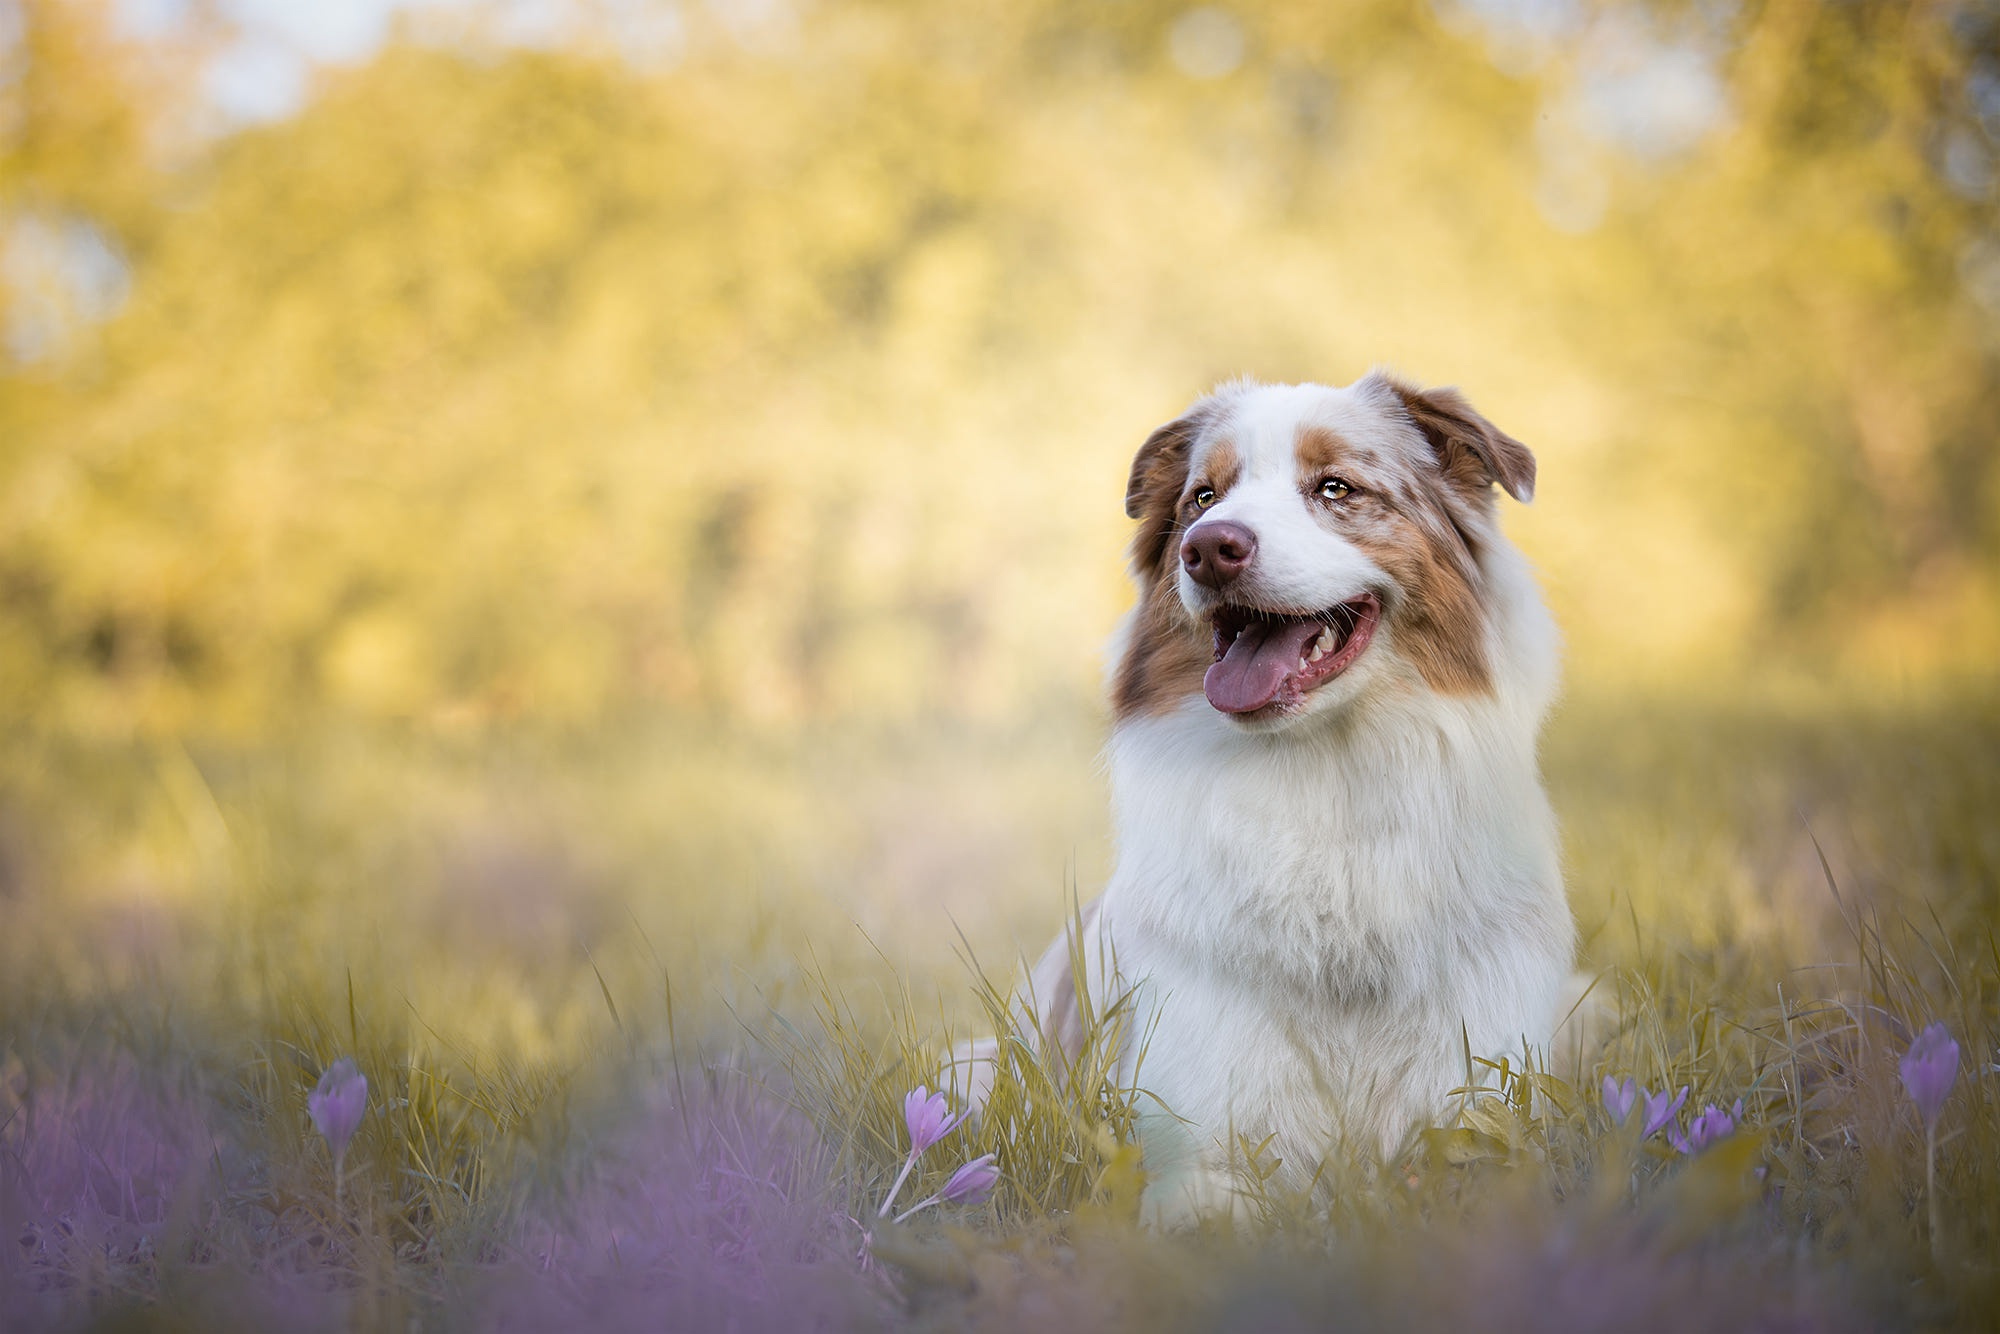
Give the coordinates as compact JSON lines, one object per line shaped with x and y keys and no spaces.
{"x":1317,"y":923}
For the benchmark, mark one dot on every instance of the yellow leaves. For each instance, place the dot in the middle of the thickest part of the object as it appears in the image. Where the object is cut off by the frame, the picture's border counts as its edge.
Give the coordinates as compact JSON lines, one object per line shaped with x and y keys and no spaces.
{"x":1490,"y":1129}
{"x":378,"y":664}
{"x":944,"y":302}
{"x":1464,"y":1146}
{"x":921,"y":292}
{"x":1493,"y":1123}
{"x":1120,"y":1182}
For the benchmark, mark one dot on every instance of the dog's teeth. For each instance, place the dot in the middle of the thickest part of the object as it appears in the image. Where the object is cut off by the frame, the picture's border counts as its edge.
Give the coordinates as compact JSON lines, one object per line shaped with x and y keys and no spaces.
{"x":1302,"y":664}
{"x":1324,"y":644}
{"x":1317,"y":652}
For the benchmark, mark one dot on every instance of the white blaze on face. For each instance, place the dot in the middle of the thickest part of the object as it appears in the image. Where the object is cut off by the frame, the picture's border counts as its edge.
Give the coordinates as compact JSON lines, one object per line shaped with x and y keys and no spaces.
{"x":1301,"y":565}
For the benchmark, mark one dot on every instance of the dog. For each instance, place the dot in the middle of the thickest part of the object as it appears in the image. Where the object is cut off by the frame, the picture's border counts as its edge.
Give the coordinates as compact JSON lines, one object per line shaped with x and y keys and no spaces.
{"x":1336,"y":872}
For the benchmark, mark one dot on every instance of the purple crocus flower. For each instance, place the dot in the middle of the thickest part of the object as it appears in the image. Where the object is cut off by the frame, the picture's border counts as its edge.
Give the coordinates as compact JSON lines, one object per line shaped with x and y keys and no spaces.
{"x":336,"y":1105}
{"x":1659,"y":1111}
{"x":929,"y":1118}
{"x":1930,"y":1067}
{"x":1712,"y":1125}
{"x":972,"y":1183}
{"x":1619,"y":1095}
{"x":928,"y":1115}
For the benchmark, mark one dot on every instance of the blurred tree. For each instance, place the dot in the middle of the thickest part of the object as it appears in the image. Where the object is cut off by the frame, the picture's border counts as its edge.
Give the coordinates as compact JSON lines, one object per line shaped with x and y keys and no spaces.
{"x":797,"y":374}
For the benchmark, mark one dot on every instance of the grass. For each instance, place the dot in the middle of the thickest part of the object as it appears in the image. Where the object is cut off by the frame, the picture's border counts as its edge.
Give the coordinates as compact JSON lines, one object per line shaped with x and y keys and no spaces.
{"x":638,"y":1011}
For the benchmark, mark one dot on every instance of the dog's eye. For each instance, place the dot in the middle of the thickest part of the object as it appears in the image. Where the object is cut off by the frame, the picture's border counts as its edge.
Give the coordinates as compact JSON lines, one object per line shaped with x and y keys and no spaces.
{"x":1204,"y":498}
{"x":1334,"y":489}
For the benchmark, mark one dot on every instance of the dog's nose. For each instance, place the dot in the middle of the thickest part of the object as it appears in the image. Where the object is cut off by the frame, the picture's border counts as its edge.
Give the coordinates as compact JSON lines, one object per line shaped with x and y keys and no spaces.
{"x":1217,"y":551}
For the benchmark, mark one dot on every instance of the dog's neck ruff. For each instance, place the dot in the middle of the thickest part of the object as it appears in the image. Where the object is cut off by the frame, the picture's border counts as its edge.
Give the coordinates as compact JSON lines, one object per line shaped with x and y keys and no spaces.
{"x":1353,"y":859}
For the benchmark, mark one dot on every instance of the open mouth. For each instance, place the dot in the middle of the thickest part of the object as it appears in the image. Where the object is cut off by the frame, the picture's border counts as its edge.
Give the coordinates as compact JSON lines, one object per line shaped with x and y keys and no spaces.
{"x":1264,"y":658}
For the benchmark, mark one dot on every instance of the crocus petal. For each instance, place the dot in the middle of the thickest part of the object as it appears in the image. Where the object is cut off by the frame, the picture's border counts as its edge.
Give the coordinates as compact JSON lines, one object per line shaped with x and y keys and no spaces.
{"x":928,"y":1117}
{"x":1619,"y":1095}
{"x":1712,"y":1126}
{"x":336,"y":1104}
{"x":973,"y":1182}
{"x":1930,"y":1068}
{"x":1659,"y":1111}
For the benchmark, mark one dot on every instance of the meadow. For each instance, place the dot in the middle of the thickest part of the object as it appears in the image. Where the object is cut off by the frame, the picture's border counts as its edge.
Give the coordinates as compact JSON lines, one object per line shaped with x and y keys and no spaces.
{"x":554,"y":559}
{"x":638,"y":1013}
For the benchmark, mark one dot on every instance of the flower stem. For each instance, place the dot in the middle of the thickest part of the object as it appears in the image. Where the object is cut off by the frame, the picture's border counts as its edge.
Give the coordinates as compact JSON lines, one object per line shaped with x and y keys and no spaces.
{"x":901,"y":1177}
{"x":1930,"y":1188}
{"x":920,"y":1204}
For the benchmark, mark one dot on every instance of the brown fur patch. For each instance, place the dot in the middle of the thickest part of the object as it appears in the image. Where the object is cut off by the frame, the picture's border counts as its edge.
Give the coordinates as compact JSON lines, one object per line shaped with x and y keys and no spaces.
{"x":1439,"y":621}
{"x":1167,"y":653}
{"x":1153,"y":491}
{"x":1220,"y":467}
{"x":1474,"y":451}
{"x":1423,"y":535}
{"x":1166,"y":657}
{"x":1322,"y":453}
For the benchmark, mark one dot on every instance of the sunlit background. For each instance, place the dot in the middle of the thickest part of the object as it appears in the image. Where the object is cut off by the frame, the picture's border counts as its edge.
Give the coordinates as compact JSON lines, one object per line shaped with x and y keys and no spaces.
{"x":620,"y":461}
{"x":542,"y":543}
{"x":466,"y":363}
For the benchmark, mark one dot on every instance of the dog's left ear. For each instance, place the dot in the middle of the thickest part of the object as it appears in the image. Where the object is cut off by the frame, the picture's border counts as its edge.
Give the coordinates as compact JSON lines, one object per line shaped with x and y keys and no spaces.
{"x":1473,"y":450}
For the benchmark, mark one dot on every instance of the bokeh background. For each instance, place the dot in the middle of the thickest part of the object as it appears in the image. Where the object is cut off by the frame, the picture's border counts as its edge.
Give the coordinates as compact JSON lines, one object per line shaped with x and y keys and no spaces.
{"x":519,"y":470}
{"x":514,"y":470}
{"x":560,"y":549}
{"x":464,"y":363}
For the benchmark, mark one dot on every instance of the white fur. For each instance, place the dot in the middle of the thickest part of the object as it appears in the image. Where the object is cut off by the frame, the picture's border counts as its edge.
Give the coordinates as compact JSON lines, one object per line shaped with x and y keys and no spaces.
{"x":1316,"y":916}
{"x":1300,"y":561}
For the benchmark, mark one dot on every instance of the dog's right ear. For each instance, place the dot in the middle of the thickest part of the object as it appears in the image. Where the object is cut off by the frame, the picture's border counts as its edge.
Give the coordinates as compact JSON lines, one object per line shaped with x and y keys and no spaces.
{"x":1160,"y":466}
{"x":1159,"y":471}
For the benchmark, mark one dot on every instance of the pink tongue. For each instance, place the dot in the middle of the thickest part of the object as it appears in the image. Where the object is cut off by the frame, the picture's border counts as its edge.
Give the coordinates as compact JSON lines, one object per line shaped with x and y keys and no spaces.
{"x":1254,"y":669}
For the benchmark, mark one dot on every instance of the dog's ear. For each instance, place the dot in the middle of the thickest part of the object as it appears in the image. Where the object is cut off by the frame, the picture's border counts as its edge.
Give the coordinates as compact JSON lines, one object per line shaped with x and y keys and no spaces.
{"x":1473,"y":451}
{"x":1159,"y":471}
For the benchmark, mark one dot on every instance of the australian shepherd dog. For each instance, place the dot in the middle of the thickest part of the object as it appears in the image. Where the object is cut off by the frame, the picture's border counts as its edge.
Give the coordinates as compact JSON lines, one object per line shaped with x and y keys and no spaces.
{"x":1337,"y":872}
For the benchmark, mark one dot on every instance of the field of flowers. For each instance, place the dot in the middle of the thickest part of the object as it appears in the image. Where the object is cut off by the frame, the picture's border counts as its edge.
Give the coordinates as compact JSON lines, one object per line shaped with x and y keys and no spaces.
{"x":637,"y":1031}
{"x":552,"y":565}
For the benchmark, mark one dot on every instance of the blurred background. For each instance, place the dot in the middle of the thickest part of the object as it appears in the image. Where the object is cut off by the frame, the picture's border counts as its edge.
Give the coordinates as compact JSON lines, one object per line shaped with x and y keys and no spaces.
{"x":627,"y":480}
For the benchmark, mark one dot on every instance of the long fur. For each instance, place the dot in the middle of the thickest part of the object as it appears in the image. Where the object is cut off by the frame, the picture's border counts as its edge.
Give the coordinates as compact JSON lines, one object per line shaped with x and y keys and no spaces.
{"x":1319,"y":909}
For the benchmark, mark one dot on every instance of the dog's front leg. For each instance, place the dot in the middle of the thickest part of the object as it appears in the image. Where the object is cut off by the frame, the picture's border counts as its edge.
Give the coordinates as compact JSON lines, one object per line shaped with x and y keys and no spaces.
{"x":1049,"y":1010}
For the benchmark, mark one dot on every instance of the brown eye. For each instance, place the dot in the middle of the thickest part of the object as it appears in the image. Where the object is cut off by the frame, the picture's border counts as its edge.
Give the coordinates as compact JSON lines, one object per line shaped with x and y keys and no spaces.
{"x":1204,"y":498}
{"x":1334,"y":489}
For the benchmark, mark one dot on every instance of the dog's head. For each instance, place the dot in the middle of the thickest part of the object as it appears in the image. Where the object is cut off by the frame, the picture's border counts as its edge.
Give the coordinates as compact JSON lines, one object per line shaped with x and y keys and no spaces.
{"x":1300,"y":546}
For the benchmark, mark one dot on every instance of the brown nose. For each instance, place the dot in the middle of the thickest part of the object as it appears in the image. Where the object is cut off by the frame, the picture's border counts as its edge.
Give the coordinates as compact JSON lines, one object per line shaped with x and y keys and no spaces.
{"x":1217,"y":551}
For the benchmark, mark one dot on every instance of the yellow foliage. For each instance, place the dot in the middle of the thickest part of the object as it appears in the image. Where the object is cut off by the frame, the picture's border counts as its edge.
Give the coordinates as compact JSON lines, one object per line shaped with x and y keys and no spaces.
{"x":797,"y":376}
